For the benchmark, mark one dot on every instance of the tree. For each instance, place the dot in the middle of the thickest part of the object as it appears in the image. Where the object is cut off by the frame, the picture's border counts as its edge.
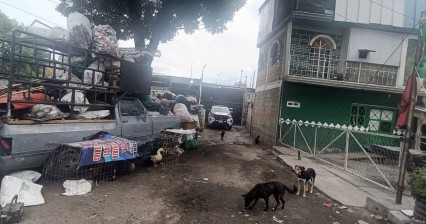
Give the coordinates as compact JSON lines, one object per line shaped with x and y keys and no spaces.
{"x":6,"y":25}
{"x":23,"y":65}
{"x":150,"y":21}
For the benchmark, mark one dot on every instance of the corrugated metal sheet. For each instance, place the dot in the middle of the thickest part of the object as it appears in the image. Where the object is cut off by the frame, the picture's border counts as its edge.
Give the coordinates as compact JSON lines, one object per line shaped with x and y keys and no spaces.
{"x":384,"y":43}
{"x":412,"y":12}
{"x":384,"y":12}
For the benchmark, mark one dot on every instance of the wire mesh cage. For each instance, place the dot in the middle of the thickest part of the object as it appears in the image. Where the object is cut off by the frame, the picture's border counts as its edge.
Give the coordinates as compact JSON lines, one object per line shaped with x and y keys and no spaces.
{"x":170,"y":143}
{"x":64,"y":164}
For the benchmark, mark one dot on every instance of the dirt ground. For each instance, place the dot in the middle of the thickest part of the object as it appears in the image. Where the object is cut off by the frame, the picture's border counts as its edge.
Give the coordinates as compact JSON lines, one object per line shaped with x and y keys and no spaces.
{"x":179,"y":192}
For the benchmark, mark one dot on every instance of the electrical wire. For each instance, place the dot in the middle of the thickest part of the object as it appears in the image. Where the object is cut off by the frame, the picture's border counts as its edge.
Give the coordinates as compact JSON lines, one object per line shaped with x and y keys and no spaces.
{"x":29,"y":13}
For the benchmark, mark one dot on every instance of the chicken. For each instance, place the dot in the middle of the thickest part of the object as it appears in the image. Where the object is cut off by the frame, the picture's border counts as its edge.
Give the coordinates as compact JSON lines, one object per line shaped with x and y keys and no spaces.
{"x":158,"y":157}
{"x":179,"y":150}
{"x":222,"y":134}
{"x":132,"y":168}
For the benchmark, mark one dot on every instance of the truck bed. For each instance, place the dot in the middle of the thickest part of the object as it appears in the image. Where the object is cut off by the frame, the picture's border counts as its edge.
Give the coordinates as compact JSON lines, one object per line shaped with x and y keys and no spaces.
{"x":31,"y":122}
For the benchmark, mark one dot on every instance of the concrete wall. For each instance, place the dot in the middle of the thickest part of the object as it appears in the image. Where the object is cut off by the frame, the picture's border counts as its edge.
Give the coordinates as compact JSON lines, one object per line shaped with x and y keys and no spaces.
{"x":383,"y":43}
{"x":266,"y":111}
{"x":266,"y":107}
{"x":248,"y":109}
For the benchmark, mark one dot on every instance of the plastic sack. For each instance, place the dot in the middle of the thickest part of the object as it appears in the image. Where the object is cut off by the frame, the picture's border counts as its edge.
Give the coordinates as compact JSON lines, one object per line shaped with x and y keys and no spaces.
{"x":88,"y":73}
{"x":80,"y":30}
{"x":77,"y":187}
{"x":79,"y":98}
{"x":27,"y":175}
{"x":105,"y":39}
{"x":28,"y":193}
{"x":94,"y":114}
{"x":181,"y":112}
{"x":192,"y":99}
{"x":43,"y":111}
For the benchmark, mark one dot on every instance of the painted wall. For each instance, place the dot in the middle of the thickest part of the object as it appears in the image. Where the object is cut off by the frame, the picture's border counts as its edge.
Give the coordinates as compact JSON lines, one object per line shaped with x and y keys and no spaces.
{"x":266,"y":19}
{"x":384,"y":43}
{"x":331,"y":105}
{"x":384,"y":12}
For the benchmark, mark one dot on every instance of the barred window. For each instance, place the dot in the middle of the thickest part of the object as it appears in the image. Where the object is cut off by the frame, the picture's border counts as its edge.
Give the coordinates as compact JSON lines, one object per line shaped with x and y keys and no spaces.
{"x":381,"y":120}
{"x":320,"y":58}
{"x":358,"y":116}
{"x":275,"y":53}
{"x":375,"y":118}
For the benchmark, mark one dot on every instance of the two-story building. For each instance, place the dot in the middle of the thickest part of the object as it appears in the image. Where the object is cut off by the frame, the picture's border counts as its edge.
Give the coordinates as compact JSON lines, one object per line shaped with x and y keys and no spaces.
{"x":340,"y":62}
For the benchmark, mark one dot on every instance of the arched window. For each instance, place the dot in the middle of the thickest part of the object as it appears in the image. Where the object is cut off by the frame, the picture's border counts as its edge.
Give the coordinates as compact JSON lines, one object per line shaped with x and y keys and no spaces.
{"x":275,"y":53}
{"x":261,"y":62}
{"x":320,"y":56}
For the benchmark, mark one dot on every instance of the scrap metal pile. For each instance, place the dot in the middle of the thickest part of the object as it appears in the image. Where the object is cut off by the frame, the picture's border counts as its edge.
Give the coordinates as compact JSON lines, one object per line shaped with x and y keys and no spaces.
{"x":54,"y":73}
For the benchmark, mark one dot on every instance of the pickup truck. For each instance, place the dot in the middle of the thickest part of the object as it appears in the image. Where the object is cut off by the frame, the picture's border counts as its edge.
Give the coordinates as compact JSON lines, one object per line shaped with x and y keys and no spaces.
{"x":35,"y":64}
{"x":26,"y":144}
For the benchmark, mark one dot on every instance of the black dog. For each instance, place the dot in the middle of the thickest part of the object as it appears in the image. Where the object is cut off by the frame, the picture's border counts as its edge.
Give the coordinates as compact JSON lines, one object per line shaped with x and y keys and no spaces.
{"x":307,"y":176}
{"x":256,"y":140}
{"x":264,"y":190}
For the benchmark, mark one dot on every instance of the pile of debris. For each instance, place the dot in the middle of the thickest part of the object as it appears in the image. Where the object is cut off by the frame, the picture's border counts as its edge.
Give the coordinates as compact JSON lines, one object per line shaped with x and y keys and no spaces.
{"x":81,"y":73}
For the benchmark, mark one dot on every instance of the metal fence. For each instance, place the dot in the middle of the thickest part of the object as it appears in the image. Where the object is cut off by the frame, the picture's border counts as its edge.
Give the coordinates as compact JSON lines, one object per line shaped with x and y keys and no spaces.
{"x":371,"y":156}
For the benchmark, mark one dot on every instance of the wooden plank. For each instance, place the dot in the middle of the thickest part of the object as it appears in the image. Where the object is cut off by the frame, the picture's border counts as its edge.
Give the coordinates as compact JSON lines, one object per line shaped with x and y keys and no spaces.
{"x":30,"y":122}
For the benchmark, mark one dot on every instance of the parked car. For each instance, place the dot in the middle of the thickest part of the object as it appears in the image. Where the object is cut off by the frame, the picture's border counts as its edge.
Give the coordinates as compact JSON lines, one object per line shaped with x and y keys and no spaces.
{"x":220,"y":116}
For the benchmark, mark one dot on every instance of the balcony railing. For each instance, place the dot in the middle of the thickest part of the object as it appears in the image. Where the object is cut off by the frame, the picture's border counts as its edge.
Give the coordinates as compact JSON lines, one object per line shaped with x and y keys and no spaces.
{"x":358,"y":72}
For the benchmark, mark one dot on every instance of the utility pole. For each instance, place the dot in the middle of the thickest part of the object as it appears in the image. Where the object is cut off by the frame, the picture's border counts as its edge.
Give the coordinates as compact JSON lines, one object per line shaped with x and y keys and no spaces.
{"x":241,"y":76}
{"x":254,"y":75}
{"x":409,"y":128}
{"x":201,"y":84}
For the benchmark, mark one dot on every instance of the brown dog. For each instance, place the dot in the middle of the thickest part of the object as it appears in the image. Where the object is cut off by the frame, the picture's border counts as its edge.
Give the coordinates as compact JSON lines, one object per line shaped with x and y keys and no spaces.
{"x":305,"y":175}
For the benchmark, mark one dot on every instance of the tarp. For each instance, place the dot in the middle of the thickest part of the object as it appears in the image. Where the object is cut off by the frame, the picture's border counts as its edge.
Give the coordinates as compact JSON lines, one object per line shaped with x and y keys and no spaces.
{"x":107,"y":148}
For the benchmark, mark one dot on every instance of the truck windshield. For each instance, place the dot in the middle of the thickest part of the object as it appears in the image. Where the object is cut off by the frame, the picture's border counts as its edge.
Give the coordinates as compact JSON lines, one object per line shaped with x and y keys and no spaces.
{"x":131,"y":107}
{"x":220,"y":109}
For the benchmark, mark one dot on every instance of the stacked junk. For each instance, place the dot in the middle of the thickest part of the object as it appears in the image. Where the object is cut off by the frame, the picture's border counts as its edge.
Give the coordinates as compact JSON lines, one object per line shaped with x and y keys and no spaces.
{"x":186,"y":108}
{"x":49,"y":74}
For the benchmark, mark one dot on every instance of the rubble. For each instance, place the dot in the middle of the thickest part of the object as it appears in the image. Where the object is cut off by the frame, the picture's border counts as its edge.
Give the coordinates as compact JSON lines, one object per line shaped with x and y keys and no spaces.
{"x":105,"y":40}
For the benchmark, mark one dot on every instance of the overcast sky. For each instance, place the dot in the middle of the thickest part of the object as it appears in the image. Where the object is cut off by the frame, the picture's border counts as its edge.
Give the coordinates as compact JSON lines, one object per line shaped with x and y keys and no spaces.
{"x":224,"y":55}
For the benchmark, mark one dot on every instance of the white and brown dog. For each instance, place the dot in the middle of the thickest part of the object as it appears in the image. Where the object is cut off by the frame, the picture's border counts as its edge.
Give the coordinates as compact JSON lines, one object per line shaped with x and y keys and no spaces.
{"x":305,"y":175}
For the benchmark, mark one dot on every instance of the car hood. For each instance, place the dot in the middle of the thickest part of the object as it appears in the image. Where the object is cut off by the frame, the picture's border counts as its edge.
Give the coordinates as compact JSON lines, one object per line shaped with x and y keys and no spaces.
{"x":221,"y":113}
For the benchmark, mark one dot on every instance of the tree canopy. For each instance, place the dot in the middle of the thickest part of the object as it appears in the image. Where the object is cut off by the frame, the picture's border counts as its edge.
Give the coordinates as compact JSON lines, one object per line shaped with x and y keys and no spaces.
{"x":6,"y":25}
{"x":150,"y":21}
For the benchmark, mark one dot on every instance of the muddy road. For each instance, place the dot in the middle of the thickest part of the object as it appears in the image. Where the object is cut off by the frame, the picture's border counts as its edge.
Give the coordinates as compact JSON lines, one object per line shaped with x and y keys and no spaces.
{"x":204,"y":186}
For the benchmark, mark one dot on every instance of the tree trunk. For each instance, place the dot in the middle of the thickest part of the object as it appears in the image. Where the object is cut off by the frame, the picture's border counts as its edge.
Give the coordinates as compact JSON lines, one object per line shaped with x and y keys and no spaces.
{"x":139,"y":38}
{"x":159,"y":26}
